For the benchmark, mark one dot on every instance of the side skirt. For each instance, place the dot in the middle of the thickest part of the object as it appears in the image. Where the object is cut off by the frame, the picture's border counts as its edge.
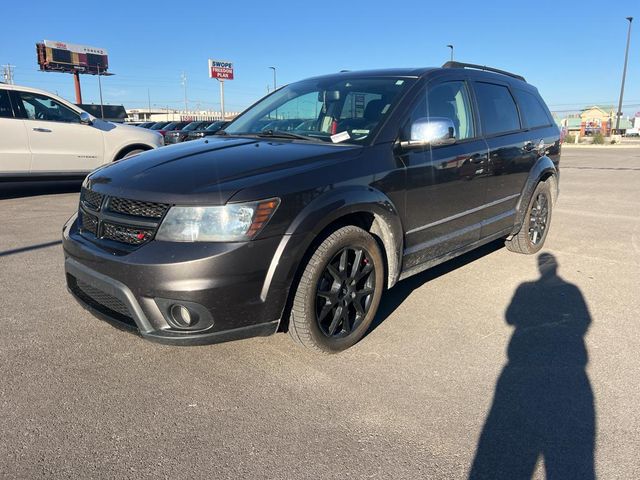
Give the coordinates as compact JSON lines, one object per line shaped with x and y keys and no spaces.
{"x":456,"y":253}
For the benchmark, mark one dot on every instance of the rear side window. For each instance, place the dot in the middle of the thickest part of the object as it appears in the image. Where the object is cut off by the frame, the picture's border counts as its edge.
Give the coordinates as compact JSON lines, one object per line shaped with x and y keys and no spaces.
{"x":533,"y":113}
{"x":498,"y":112}
{"x":5,"y":105}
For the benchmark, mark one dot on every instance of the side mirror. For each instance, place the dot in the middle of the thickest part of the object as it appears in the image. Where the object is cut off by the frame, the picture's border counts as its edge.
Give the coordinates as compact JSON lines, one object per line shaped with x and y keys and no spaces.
{"x":434,"y":131}
{"x":85,"y":118}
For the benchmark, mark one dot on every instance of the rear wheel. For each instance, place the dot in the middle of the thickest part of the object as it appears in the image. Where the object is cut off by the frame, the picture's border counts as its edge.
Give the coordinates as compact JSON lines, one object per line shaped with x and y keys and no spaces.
{"x":535,"y":226}
{"x":339,"y":292}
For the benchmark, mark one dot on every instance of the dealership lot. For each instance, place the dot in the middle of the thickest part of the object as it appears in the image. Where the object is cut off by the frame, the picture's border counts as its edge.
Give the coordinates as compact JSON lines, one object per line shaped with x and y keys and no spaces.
{"x":80,"y":398}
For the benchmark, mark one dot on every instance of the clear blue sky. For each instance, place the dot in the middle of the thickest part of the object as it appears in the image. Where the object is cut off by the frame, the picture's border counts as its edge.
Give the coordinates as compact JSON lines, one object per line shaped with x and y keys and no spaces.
{"x":572,"y":51}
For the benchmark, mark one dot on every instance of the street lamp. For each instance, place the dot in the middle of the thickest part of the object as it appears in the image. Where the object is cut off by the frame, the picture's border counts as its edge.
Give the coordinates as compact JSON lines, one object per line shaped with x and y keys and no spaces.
{"x":451,"y":47}
{"x":274,"y":78}
{"x":101,"y":102}
{"x":624,"y":74}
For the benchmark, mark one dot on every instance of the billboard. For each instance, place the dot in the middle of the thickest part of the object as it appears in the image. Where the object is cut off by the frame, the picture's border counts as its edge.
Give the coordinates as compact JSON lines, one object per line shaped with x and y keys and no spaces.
{"x":220,"y":69}
{"x":54,"y":56}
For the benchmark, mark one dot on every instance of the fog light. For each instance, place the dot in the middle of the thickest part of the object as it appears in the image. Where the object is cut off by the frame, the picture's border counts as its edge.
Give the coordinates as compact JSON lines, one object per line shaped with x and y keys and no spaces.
{"x":182,"y":316}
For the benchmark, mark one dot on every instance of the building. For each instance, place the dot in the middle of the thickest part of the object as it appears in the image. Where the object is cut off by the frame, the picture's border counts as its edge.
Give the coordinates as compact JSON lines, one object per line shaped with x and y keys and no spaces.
{"x":171,"y":115}
{"x":594,"y":119}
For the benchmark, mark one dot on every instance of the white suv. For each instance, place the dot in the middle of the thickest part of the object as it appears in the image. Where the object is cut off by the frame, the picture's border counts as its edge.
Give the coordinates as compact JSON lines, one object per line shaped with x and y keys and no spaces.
{"x":42,"y":135}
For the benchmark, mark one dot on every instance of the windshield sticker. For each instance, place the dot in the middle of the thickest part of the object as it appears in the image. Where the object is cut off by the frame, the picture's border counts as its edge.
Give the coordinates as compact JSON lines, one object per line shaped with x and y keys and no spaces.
{"x":386,"y":107}
{"x":399,"y":82}
{"x":360,"y":132}
{"x":340,"y":137}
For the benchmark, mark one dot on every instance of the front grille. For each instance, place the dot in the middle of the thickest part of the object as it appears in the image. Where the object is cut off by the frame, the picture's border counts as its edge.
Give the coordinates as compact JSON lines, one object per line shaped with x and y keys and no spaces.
{"x":137,"y":208}
{"x":89,"y":223}
{"x":91,"y":199}
{"x":122,"y":220}
{"x":101,"y":301}
{"x":124,"y":234}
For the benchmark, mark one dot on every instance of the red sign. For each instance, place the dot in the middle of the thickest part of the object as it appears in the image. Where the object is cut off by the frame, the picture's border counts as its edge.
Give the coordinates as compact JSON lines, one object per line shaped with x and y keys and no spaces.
{"x":220,"y":70}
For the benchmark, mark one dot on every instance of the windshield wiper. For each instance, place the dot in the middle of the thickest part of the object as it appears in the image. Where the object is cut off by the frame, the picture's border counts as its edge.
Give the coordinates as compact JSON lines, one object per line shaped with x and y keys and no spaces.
{"x":281,"y":134}
{"x":221,"y":132}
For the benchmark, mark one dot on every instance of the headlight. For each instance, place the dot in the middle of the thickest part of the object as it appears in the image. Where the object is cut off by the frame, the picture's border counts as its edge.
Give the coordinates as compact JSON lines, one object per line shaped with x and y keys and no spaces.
{"x":233,"y":222}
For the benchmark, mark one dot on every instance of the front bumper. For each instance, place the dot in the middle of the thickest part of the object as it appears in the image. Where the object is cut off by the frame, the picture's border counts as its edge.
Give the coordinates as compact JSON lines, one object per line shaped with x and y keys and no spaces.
{"x":223,"y":282}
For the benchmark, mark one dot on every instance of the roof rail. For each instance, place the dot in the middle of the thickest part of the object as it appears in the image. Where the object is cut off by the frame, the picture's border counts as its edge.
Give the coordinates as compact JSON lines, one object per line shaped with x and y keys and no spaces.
{"x":482,"y":67}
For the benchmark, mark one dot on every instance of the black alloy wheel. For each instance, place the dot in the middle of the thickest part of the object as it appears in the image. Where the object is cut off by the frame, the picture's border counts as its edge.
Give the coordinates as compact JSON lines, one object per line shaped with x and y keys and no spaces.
{"x":345,"y":291}
{"x":339,"y":291}
{"x":535,"y":223}
{"x":538,"y":218}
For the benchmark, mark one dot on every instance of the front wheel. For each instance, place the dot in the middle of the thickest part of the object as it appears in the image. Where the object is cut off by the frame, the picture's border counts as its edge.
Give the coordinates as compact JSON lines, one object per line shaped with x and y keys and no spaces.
{"x":339,"y":292}
{"x":535,"y":225}
{"x":132,"y":153}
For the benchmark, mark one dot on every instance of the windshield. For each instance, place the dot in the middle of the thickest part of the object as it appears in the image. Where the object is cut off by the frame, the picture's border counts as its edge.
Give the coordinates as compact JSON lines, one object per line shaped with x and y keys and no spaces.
{"x":215,"y":126}
{"x":158,"y":126}
{"x":192,"y":126}
{"x":325,"y":109}
{"x":174,"y":126}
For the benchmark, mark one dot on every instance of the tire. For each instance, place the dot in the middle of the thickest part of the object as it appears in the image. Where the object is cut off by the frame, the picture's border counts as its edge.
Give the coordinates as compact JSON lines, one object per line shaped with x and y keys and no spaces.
{"x":132,"y":153}
{"x":536,"y":222}
{"x":335,"y":303}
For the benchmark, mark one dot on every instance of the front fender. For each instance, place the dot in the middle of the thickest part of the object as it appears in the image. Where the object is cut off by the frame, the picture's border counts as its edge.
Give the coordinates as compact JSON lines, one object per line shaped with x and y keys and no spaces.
{"x":320,"y":213}
{"x":542,"y":170}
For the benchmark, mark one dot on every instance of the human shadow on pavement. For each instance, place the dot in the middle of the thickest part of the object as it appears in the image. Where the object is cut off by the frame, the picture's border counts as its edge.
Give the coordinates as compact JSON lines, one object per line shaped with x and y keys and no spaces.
{"x":543,"y":406}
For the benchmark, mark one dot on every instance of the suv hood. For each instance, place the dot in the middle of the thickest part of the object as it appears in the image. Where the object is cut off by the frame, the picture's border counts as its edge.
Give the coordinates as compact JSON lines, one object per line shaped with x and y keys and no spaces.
{"x":211,"y":171}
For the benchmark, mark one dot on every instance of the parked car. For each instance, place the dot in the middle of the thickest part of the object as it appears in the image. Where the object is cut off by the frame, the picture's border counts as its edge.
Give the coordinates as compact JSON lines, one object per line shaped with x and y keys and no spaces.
{"x":146,"y":124}
{"x":170,"y":127}
{"x":43,"y":137}
{"x":177,"y":136}
{"x":205,"y":132}
{"x":159,"y":125}
{"x":256,"y":229}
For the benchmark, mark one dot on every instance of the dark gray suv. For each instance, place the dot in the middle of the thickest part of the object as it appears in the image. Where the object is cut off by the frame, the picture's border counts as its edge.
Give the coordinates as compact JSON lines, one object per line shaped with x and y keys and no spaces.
{"x":303,"y":210}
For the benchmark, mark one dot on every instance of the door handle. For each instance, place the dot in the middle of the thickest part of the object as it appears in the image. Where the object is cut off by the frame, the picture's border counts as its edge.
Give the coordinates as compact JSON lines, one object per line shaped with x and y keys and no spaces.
{"x":528,"y":146}
{"x":477,"y":158}
{"x":45,"y":130}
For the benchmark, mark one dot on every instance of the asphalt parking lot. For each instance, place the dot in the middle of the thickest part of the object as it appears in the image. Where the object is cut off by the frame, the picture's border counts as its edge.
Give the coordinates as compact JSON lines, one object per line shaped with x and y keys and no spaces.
{"x":81,"y":399}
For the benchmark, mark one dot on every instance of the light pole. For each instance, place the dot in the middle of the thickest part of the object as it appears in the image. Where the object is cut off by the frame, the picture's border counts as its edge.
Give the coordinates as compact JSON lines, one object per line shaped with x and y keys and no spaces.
{"x":274,"y":77}
{"x":624,"y":74}
{"x":100,"y":88}
{"x":451,"y":47}
{"x":184,"y":84}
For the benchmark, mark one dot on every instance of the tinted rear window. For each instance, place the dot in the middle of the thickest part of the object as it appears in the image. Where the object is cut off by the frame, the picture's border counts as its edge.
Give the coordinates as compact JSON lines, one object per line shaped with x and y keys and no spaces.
{"x":533,"y":113}
{"x":498,"y":112}
{"x":5,"y":105}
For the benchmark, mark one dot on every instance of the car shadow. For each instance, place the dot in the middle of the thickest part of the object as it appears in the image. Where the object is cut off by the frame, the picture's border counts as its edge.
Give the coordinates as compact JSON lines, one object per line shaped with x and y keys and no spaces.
{"x":31,"y":189}
{"x":394,"y":297}
{"x":543,"y":407}
{"x":30,"y":248}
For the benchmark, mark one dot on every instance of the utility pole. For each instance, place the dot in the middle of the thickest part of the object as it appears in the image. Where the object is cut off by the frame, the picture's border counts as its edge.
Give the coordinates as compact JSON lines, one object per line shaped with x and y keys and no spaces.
{"x":624,"y":74}
{"x":8,"y":73}
{"x":149,"y":103}
{"x":184,"y":84}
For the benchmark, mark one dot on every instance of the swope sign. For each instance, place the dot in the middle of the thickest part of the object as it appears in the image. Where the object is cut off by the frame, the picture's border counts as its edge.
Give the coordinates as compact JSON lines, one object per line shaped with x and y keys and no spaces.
{"x":220,"y":70}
